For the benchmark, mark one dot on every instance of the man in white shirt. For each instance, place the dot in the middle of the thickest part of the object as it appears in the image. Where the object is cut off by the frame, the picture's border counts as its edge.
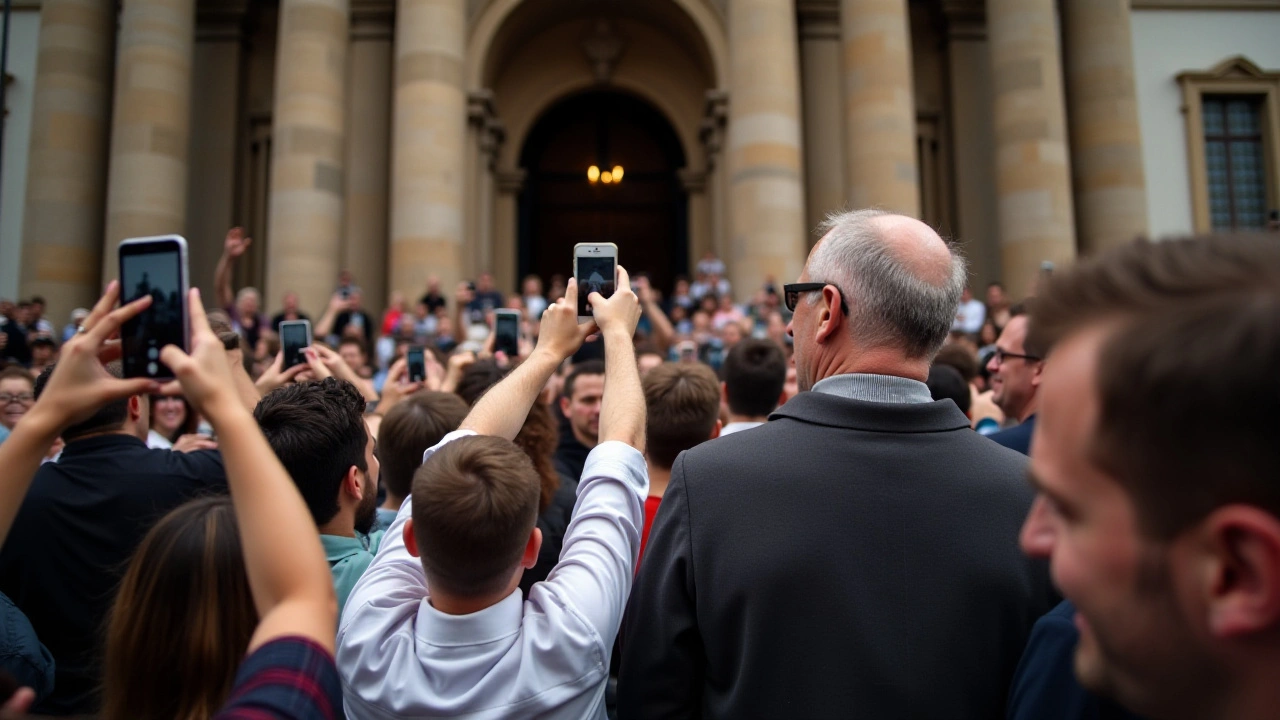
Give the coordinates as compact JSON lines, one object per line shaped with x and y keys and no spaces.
{"x":754,"y":374}
{"x":437,"y":627}
{"x":970,"y":314}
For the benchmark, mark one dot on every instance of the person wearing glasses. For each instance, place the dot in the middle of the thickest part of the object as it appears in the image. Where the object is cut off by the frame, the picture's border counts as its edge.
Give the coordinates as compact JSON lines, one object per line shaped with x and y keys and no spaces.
{"x":16,"y":397}
{"x":858,"y":552}
{"x":1015,"y":381}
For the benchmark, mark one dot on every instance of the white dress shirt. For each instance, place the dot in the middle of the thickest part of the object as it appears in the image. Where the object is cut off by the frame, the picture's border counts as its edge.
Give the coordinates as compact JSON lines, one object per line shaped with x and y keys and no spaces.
{"x":547,"y":656}
{"x":970,"y":316}
{"x":734,"y":427}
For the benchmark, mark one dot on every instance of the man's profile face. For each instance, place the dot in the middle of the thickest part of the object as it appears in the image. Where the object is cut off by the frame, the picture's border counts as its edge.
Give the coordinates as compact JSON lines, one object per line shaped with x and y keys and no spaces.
{"x":367,"y":512}
{"x":1134,"y":644}
{"x":801,"y":330}
{"x":583,"y":407}
{"x":1013,"y":379}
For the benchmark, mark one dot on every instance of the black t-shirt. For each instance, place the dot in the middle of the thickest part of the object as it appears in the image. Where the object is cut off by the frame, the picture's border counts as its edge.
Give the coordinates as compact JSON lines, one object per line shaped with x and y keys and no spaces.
{"x":281,"y":317}
{"x":433,"y":301}
{"x":72,"y":540}
{"x":358,"y":318}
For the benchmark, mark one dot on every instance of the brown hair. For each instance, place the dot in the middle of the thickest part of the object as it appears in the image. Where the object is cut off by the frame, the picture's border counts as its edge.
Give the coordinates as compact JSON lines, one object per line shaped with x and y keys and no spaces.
{"x":959,"y":357}
{"x":1186,"y":380}
{"x":683,"y":404}
{"x":182,"y":619}
{"x":754,"y":373}
{"x":19,"y":373}
{"x":475,"y":503}
{"x":408,"y":430}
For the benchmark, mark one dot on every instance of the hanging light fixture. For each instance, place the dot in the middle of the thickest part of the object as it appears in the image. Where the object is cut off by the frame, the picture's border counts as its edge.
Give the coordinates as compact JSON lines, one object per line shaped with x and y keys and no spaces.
{"x":593,"y":174}
{"x":617,"y":173}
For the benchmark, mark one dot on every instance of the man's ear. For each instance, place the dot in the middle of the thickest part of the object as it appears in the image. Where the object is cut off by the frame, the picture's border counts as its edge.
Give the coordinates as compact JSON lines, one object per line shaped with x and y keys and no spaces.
{"x":1238,"y":562}
{"x":1037,"y":374}
{"x":531,"y":549}
{"x":410,"y":540}
{"x":351,"y":484}
{"x":715,"y":430}
{"x":830,"y":319}
{"x":564,"y":405}
{"x":724,"y":393}
{"x":135,"y":407}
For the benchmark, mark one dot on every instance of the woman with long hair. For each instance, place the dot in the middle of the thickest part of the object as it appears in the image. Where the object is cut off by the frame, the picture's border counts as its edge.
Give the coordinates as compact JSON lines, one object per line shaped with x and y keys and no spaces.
{"x":171,"y":418}
{"x":182,"y":619}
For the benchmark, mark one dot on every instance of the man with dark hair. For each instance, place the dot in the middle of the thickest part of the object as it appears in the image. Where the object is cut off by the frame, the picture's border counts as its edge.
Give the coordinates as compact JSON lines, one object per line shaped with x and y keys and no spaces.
{"x":317,"y":430}
{"x":416,"y":423}
{"x":580,"y":406}
{"x":1157,"y":467}
{"x":754,"y":372}
{"x":437,"y":627}
{"x":78,"y":527}
{"x":858,"y":550}
{"x":682,"y":409}
{"x":1015,"y":369}
{"x":945,"y":383}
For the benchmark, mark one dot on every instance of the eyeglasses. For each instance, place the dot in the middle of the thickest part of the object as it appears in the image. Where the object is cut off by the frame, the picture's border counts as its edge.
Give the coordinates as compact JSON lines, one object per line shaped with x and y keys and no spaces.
{"x":24,"y":398}
{"x":999,"y":356}
{"x":791,"y":294}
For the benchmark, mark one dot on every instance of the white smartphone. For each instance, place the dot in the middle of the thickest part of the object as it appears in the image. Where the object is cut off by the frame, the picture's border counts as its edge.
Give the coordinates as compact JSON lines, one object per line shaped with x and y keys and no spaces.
{"x":506,"y":332}
{"x":595,"y":265}
{"x":295,"y":336}
{"x":155,"y":266}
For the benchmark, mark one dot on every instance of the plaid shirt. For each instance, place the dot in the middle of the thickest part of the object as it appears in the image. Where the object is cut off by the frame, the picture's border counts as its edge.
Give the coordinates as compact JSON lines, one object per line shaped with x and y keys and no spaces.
{"x":289,"y":678}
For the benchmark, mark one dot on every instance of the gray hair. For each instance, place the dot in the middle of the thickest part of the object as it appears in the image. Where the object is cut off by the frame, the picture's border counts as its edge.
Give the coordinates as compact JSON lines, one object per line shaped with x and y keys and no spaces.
{"x":889,"y":305}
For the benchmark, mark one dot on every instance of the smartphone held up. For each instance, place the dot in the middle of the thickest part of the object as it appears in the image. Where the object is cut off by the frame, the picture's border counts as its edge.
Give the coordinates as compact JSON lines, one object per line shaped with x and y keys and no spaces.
{"x":595,"y":265}
{"x":155,"y":266}
{"x":295,"y":336}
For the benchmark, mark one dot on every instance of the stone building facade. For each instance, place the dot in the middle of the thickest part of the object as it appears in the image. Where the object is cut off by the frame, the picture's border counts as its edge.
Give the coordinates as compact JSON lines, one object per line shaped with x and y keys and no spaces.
{"x":403,"y":139}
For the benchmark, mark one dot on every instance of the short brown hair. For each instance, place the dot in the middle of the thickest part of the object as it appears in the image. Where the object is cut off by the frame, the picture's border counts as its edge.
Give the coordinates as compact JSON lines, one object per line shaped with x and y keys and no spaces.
{"x":409,"y":429}
{"x":755,"y":371}
{"x":1187,"y":378}
{"x":475,"y":502}
{"x":959,"y":357}
{"x":683,"y":404}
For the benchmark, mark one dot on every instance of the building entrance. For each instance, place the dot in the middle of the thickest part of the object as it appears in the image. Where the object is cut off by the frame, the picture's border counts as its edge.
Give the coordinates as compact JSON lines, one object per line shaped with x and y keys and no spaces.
{"x":602,"y":167}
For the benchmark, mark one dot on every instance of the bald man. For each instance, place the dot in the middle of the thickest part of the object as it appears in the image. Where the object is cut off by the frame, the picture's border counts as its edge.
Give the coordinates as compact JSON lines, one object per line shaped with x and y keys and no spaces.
{"x":858,"y":553}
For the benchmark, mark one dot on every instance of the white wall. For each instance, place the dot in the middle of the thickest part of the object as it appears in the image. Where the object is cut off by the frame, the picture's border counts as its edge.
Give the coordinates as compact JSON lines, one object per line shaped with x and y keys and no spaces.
{"x":1166,"y":43}
{"x":24,"y":34}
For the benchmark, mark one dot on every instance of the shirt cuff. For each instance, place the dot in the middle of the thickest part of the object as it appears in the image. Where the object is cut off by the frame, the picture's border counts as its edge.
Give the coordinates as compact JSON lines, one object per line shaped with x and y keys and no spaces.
{"x":617,"y":460}
{"x":445,"y":441}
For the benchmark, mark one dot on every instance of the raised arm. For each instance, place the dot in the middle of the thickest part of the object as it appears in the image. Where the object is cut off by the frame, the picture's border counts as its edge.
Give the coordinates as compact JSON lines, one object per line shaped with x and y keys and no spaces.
{"x":78,"y":386}
{"x":501,"y":411}
{"x":663,"y":331}
{"x":622,"y":410}
{"x":288,"y":574}
{"x":324,"y":326}
{"x":232,"y":248}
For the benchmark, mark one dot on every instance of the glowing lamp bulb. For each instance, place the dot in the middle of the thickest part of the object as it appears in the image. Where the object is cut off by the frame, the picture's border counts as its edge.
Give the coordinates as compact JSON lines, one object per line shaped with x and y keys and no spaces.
{"x":606,"y":177}
{"x":593,"y":174}
{"x":617,"y":173}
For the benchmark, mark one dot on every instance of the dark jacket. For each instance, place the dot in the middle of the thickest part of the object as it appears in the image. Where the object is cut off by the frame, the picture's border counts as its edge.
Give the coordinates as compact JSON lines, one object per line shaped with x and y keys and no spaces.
{"x":22,"y":655}
{"x":1018,"y":437}
{"x":845,"y":559}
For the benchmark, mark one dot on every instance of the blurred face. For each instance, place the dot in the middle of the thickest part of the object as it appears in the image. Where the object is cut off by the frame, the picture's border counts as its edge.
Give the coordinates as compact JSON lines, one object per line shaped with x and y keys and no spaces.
{"x":1014,"y":380}
{"x":15,"y":400}
{"x":647,"y":362}
{"x":353,"y":355}
{"x":367,"y":511}
{"x":167,"y":415}
{"x":583,"y":408}
{"x":247,"y":303}
{"x":1135,"y":638}
{"x":42,"y":355}
{"x":290,"y":302}
{"x":731,"y":334}
{"x":682,"y":287}
{"x":532,"y":286}
{"x":355,"y":299}
{"x":701,"y":321}
{"x":966,"y":295}
{"x":995,"y":296}
{"x":484,"y":282}
{"x":726,"y":303}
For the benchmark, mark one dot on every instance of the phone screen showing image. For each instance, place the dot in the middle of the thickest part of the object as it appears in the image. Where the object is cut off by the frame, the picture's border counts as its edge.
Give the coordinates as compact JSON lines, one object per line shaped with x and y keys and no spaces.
{"x":294,"y":337}
{"x":417,"y":365}
{"x":506,"y":330}
{"x":595,"y":274}
{"x":155,"y":269}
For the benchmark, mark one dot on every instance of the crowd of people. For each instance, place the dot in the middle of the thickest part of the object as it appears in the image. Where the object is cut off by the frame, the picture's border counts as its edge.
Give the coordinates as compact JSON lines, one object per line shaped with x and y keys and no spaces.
{"x":863,"y":493}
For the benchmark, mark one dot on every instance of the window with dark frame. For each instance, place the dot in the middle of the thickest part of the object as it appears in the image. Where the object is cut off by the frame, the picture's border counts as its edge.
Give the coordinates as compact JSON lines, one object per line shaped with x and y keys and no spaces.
{"x":1235,"y":162}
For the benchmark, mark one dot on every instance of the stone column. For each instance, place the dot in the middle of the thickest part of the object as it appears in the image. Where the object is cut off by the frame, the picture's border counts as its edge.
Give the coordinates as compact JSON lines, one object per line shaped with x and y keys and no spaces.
{"x":766,"y":198}
{"x":880,"y":111}
{"x":429,"y":133}
{"x":1033,"y":177}
{"x":67,"y":167}
{"x":147,"y":183}
{"x":506,"y":220}
{"x":1106,"y":140}
{"x":368,"y":153}
{"x":821,"y":79}
{"x":305,"y":222}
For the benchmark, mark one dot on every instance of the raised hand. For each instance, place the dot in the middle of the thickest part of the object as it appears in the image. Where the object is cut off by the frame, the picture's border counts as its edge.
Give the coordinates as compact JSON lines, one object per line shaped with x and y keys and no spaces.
{"x":204,"y":375}
{"x":560,"y":335}
{"x":396,"y":388}
{"x":621,"y":311}
{"x":274,"y":376}
{"x":236,"y":242}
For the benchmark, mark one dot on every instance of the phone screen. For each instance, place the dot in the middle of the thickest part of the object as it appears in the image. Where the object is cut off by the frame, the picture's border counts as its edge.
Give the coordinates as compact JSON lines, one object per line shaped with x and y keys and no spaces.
{"x":294,"y":337}
{"x":507,"y":333}
{"x":152,"y":268}
{"x":417,"y":365}
{"x":595,"y":274}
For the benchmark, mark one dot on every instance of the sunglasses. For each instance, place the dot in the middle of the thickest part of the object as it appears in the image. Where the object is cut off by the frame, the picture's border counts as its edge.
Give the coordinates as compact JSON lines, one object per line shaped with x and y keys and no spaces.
{"x":791,"y":294}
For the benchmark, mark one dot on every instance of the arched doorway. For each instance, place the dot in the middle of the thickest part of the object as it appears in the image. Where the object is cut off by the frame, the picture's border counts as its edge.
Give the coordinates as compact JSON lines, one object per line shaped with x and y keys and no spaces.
{"x":645,"y":214}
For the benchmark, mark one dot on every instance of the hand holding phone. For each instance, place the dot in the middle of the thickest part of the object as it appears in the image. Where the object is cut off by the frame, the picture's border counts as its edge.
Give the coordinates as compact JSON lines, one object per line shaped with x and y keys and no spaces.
{"x":506,"y":331}
{"x":417,"y":364}
{"x":295,"y":336}
{"x":595,"y":265}
{"x":155,"y":266}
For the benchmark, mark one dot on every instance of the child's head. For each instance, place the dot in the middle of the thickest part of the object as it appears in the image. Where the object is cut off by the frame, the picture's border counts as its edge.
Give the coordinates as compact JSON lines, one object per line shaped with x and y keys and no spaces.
{"x":475,"y":505}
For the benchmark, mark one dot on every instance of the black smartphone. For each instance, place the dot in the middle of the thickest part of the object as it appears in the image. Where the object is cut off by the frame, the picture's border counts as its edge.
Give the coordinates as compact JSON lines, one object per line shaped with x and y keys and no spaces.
{"x":155,"y":266}
{"x":506,"y":332}
{"x":295,"y":336}
{"x":417,"y":364}
{"x":595,"y":265}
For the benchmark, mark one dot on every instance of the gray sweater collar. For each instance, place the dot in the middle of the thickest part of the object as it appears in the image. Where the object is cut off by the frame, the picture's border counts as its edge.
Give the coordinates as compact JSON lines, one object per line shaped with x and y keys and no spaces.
{"x":875,"y":388}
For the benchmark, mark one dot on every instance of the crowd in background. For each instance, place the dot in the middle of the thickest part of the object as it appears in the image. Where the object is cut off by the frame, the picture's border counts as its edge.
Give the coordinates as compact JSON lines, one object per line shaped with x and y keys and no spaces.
{"x":774,"y":501}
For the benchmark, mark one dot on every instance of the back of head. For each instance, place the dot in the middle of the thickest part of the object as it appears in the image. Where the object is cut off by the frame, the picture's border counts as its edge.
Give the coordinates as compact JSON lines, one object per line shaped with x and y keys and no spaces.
{"x":682,"y":405}
{"x":1186,"y":380}
{"x":945,"y":382}
{"x":182,"y":618}
{"x":961,"y":358}
{"x":317,"y":430}
{"x":108,"y":418}
{"x":754,"y":372}
{"x":409,"y":429}
{"x":475,"y":502}
{"x":900,"y":292}
{"x":477,"y":379}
